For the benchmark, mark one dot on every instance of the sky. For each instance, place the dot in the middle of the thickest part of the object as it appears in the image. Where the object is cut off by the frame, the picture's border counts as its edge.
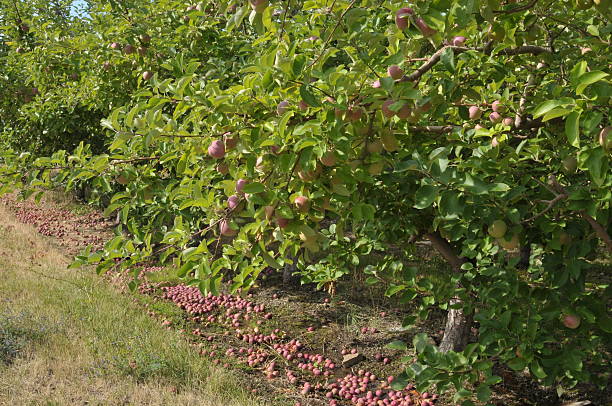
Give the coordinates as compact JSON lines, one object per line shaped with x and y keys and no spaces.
{"x":77,"y":5}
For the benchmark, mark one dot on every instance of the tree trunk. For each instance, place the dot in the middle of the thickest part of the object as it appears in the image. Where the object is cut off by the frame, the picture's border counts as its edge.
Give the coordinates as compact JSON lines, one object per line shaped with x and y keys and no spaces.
{"x":457,"y":329}
{"x":458,"y":323}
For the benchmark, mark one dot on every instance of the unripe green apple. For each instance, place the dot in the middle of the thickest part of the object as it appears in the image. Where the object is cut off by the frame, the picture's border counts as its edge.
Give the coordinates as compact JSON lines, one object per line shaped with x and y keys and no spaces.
{"x":565,"y":238}
{"x":389,"y":142}
{"x":375,"y":147}
{"x":139,"y":123}
{"x":498,"y":229}
{"x":511,"y":244}
{"x":376,"y":168}
{"x":570,"y":164}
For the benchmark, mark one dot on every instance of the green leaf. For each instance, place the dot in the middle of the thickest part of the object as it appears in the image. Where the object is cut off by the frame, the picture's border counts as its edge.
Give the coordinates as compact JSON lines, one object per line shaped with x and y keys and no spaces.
{"x":588,"y":79}
{"x":448,"y":59}
{"x":397,"y":345}
{"x":268,"y":258}
{"x":572,"y":129}
{"x":308,"y":97}
{"x":483,"y":392}
{"x":517,"y":364}
{"x":537,"y":370}
{"x":425,"y":196}
{"x":254,"y":187}
{"x":545,"y":107}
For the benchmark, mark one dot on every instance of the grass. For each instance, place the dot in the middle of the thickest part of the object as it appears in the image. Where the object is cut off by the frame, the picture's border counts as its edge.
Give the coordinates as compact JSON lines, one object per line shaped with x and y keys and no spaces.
{"x":67,"y":337}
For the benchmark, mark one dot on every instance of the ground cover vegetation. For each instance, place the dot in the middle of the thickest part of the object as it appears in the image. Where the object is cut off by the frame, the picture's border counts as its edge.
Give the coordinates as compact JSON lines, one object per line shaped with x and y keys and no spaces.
{"x":236,"y":137}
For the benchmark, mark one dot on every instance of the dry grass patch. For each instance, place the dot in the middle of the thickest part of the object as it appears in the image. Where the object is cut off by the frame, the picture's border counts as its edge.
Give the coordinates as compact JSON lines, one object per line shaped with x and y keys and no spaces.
{"x":68,"y":338}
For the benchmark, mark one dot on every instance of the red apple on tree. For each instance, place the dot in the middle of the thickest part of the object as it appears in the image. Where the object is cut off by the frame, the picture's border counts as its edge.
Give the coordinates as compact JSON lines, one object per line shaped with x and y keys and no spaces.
{"x":571,"y":321}
{"x":282,"y":222}
{"x":147,"y":75}
{"x":605,"y":139}
{"x":230,"y":142}
{"x":222,"y":168}
{"x":259,"y":5}
{"x":402,"y":17}
{"x":458,"y":41}
{"x":282,"y":107}
{"x":329,"y":158}
{"x":405,"y":112}
{"x":233,"y":201}
{"x":425,"y":29}
{"x":395,"y":72}
{"x":225,"y":229}
{"x":216,"y":149}
{"x":475,"y":112}
{"x":387,"y":112}
{"x":495,"y":117}
{"x":240,"y":184}
{"x":498,"y":107}
{"x":302,"y":203}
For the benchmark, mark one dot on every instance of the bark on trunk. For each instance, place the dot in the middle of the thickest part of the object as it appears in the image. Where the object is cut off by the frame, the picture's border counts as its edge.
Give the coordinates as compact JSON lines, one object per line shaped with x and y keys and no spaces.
{"x":457,"y":329}
{"x":458,"y":323}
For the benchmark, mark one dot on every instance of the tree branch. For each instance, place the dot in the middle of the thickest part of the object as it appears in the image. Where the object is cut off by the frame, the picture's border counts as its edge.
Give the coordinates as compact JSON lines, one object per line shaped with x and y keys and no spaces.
{"x":331,"y":34}
{"x":435,"y":58}
{"x":599,"y":230}
{"x":445,"y":249}
{"x":518,"y":120}
{"x":551,"y":204}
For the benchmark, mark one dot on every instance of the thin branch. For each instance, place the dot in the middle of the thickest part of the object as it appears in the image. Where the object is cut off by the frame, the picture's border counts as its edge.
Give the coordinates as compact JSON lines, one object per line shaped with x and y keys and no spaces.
{"x":436,"y":129}
{"x":313,"y":86}
{"x":435,"y":58}
{"x":551,"y":204}
{"x":331,"y":34}
{"x":518,"y":120}
{"x":517,"y":9}
{"x":599,"y":230}
{"x":282,"y":31}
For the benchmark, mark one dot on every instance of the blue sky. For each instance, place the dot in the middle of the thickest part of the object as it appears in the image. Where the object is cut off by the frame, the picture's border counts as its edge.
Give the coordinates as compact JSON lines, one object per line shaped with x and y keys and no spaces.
{"x":77,"y":5}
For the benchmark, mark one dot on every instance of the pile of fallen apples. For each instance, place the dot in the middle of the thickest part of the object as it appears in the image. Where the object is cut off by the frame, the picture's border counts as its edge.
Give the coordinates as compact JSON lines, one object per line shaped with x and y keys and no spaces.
{"x":276,"y":354}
